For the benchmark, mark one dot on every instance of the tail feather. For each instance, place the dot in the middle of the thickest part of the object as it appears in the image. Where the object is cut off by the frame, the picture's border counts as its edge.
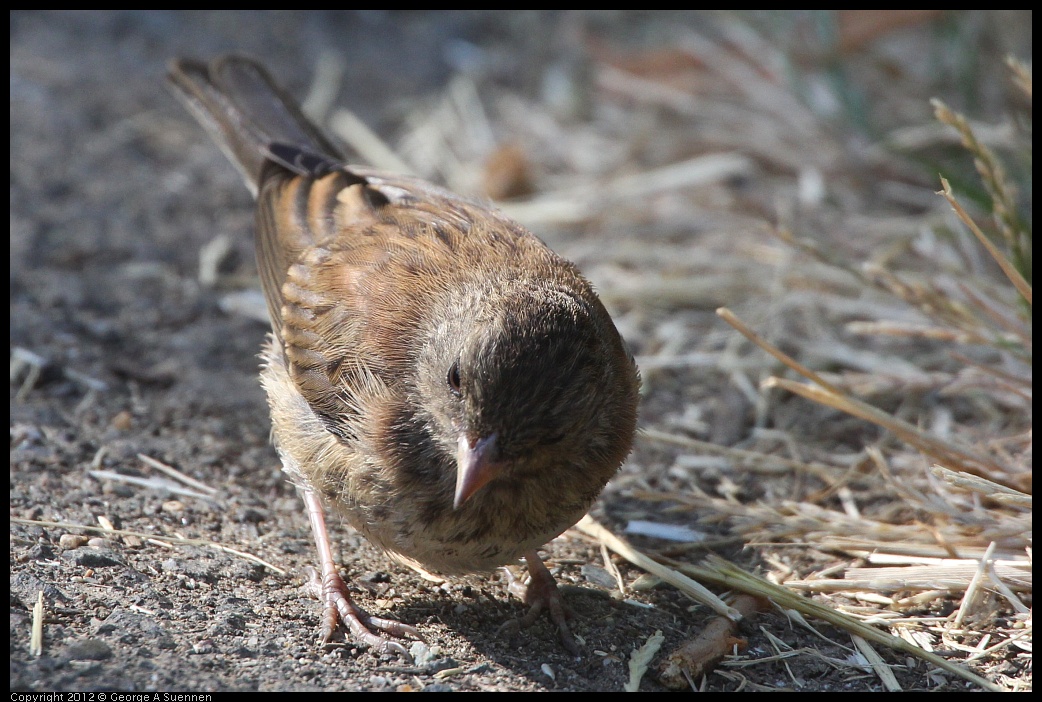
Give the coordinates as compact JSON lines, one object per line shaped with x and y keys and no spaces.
{"x":246,"y":112}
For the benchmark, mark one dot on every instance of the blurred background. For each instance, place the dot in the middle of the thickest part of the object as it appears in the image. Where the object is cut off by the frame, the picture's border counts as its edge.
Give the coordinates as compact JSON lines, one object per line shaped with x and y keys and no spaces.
{"x":784,"y":165}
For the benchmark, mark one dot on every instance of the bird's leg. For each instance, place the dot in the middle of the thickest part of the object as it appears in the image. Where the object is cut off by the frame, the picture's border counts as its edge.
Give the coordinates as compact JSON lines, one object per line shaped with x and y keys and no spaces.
{"x":541,"y":594}
{"x":331,"y":589}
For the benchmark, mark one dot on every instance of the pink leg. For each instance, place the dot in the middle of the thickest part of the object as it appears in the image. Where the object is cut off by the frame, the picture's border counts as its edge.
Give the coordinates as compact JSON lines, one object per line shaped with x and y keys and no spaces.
{"x":332,"y":590}
{"x":542,"y":594}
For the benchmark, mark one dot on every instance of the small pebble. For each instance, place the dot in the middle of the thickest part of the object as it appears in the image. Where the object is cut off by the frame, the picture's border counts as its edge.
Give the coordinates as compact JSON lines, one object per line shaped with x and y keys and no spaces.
{"x":173,"y":507}
{"x":67,"y":541}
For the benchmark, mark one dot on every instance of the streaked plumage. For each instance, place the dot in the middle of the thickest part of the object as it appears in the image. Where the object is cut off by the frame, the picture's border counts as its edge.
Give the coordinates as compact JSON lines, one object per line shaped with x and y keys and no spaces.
{"x":435,"y":373}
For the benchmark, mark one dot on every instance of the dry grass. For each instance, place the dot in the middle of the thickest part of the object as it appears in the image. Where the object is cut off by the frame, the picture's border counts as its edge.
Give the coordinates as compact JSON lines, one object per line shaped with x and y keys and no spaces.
{"x":869,"y":437}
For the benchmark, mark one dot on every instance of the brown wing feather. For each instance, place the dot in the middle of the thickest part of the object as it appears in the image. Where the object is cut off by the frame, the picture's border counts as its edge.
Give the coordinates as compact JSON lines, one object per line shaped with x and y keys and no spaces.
{"x":349,"y":258}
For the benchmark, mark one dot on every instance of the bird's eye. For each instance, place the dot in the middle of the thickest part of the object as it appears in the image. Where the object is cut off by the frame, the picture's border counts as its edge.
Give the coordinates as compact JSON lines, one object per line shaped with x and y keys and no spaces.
{"x":453,"y":379}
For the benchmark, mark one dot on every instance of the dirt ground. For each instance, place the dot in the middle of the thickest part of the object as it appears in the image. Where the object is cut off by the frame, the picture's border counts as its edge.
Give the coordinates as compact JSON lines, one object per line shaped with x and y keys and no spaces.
{"x":114,"y":193}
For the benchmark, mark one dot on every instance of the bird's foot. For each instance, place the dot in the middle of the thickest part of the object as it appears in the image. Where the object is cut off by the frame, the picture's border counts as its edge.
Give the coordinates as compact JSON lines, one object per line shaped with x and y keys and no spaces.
{"x":331,"y":590}
{"x":341,"y":609}
{"x":542,"y":595}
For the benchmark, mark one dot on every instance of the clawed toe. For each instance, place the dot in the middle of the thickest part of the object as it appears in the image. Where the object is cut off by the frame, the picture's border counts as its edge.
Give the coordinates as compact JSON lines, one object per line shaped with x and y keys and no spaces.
{"x":542,"y":595}
{"x":341,"y":609}
{"x":331,"y":590}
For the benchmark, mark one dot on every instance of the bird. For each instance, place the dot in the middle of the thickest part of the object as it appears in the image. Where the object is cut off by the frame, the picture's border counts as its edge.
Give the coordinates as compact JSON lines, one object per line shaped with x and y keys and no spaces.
{"x":436,"y":375}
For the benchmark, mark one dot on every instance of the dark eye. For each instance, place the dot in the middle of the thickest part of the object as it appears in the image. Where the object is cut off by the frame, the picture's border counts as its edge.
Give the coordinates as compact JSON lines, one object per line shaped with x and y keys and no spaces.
{"x":453,"y":379}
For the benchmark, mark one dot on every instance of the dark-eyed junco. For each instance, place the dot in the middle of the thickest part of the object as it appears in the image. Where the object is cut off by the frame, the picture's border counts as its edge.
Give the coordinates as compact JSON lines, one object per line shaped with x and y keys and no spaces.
{"x":435,"y":373}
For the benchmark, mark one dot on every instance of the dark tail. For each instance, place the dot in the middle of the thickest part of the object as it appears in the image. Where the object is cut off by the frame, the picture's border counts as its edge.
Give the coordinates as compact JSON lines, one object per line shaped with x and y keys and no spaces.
{"x":246,"y":113}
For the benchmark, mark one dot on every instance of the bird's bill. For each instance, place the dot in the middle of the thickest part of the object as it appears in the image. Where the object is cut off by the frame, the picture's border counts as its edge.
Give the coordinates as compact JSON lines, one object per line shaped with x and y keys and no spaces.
{"x":474,"y":466}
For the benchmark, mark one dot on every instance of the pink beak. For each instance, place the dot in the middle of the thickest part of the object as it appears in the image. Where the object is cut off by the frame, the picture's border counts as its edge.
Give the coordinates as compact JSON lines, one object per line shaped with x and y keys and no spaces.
{"x":474,"y":466}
